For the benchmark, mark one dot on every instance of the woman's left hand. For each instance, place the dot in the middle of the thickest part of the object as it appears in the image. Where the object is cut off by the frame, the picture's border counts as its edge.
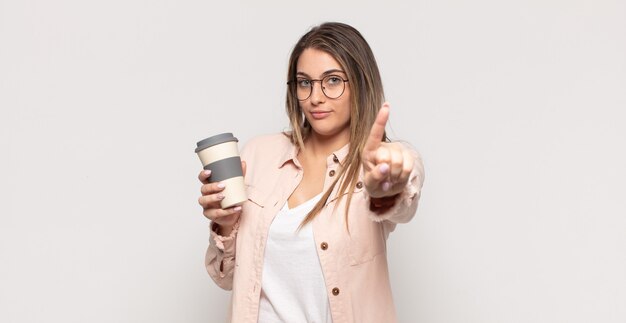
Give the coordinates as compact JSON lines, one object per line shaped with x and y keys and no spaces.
{"x":386,"y":166}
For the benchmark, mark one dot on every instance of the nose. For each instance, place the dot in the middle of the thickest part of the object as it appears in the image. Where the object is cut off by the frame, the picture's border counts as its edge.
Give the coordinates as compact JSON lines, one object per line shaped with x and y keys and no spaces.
{"x":317,"y":95}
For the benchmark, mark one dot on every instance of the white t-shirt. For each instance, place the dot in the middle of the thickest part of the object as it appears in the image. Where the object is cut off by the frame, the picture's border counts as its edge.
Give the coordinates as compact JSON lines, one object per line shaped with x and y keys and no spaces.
{"x":293,"y":288}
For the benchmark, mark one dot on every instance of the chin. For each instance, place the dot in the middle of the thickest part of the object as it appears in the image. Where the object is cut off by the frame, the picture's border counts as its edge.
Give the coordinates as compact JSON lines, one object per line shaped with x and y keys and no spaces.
{"x":326,"y":132}
{"x":324,"y":128}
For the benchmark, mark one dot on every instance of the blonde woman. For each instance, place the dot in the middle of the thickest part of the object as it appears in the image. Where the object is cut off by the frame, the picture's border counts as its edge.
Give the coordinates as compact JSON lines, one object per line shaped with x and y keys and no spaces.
{"x":309,"y":245}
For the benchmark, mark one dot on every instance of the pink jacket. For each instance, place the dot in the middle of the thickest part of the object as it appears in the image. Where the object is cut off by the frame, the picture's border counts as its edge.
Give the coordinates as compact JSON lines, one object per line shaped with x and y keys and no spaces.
{"x":354,"y":265}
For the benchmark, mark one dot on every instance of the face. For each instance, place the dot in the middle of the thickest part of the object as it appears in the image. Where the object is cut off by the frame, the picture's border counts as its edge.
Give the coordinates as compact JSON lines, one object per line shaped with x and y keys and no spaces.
{"x":328,"y":117}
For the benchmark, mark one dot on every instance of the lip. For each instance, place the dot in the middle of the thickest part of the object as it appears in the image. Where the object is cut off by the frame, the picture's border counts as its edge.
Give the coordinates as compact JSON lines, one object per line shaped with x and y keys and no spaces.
{"x":319,"y":114}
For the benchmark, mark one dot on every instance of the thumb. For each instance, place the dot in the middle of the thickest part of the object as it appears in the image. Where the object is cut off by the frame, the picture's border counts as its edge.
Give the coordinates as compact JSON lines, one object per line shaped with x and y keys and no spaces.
{"x":243,"y":167}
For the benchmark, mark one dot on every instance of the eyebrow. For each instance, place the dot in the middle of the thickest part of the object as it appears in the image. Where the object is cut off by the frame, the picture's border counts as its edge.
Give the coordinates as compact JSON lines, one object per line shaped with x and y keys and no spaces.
{"x":323,"y":74}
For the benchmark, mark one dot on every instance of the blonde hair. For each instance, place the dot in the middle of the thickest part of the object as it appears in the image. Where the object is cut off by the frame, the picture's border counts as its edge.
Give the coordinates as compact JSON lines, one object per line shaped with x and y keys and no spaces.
{"x":346,"y":45}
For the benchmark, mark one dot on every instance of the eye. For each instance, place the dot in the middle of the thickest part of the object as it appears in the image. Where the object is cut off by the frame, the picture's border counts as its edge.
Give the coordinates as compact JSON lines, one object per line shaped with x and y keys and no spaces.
{"x":303,"y":83}
{"x":333,"y":80}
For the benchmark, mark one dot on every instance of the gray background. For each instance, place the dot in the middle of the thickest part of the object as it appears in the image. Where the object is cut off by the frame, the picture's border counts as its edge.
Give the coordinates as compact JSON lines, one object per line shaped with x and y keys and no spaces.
{"x":516,"y":107}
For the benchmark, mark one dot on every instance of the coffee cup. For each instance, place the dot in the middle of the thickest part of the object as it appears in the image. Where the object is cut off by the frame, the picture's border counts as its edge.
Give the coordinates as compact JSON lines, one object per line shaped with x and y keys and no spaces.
{"x":220,"y":154}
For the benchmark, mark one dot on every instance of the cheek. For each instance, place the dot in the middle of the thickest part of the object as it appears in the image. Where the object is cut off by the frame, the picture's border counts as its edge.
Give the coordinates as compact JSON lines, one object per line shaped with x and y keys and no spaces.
{"x":345,"y":107}
{"x":304,"y":107}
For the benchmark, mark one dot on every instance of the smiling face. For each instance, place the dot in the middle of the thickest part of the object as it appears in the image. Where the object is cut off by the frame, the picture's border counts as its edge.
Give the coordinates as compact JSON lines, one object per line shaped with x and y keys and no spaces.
{"x":327,"y":117}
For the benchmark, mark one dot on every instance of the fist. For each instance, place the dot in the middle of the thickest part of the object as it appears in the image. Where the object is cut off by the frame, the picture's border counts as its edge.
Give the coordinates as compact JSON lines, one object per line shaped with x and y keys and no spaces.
{"x":386,"y":166}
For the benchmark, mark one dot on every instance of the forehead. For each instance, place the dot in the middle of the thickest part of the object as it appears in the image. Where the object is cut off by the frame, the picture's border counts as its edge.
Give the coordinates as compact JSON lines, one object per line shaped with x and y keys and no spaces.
{"x":315,"y":62}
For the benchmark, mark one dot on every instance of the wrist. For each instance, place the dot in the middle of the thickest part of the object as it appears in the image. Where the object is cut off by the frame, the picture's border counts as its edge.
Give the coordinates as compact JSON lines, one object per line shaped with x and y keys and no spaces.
{"x":383,"y":203}
{"x":385,"y":198}
{"x":222,"y":230}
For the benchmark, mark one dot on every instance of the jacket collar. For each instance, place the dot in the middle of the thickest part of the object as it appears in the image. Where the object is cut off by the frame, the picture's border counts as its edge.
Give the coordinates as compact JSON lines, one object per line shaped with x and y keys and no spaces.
{"x":291,"y":151}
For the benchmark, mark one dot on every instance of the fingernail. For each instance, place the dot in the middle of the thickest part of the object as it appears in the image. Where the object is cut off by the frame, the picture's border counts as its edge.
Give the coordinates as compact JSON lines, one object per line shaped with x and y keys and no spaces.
{"x":384,"y":168}
{"x":220,"y":196}
{"x":237,"y":209}
{"x":207,"y":172}
{"x":386,"y":186}
{"x":221,"y":185}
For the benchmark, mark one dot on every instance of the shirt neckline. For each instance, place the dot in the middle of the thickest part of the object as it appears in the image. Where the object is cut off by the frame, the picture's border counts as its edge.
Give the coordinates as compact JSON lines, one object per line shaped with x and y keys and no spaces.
{"x":309,"y":203}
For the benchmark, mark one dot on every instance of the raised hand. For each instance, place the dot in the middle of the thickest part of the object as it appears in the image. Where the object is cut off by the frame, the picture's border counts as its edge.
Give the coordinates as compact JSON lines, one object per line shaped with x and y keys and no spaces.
{"x":386,"y":166}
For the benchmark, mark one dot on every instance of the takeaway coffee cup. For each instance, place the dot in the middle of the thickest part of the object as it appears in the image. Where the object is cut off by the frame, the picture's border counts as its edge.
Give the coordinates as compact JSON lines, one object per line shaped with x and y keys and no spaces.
{"x":221,"y":155}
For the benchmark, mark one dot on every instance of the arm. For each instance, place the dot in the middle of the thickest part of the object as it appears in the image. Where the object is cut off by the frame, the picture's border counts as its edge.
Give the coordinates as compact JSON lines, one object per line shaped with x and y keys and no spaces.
{"x":393,"y":175}
{"x":220,"y":256}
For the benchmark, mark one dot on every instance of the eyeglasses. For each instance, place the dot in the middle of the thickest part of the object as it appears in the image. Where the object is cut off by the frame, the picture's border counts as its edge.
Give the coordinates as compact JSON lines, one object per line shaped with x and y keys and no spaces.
{"x":333,"y":86}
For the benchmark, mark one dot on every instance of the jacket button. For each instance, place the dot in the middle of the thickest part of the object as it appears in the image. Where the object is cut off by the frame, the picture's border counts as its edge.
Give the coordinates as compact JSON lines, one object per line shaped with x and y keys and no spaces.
{"x":359,"y":185}
{"x":324,"y":245}
{"x":335,"y":159}
{"x":335,"y":291}
{"x":331,"y":173}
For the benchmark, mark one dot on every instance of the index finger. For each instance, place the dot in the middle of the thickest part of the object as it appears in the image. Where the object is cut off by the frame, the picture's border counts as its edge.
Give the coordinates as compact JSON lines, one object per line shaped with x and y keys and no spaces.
{"x":378,"y":129}
{"x":204,"y":175}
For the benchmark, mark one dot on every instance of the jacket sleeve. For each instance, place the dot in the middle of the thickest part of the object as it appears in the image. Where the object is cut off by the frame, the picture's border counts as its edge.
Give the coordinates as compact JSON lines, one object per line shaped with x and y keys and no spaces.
{"x":406,"y":204}
{"x":220,"y":257}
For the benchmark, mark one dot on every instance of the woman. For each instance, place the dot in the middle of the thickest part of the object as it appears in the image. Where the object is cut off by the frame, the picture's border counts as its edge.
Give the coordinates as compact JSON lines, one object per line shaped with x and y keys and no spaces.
{"x":309,"y":245}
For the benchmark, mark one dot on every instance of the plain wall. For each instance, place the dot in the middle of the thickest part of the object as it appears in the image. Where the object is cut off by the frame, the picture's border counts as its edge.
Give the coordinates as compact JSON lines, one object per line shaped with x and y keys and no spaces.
{"x":516,"y":107}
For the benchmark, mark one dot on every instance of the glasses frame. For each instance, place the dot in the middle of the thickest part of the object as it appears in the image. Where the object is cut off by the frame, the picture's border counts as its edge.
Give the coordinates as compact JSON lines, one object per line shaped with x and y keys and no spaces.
{"x":295,"y":83}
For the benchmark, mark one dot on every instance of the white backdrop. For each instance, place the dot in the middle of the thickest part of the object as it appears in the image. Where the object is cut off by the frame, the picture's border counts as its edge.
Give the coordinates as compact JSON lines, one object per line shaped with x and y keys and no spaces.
{"x":516,"y":107}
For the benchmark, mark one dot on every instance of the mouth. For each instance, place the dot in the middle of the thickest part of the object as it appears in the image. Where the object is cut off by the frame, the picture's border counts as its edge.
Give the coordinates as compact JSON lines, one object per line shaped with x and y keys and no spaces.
{"x":319,"y":114}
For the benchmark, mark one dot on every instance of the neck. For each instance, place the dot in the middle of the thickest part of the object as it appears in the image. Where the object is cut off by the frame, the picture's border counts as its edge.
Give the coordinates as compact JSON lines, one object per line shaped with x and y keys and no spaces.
{"x":322,"y":146}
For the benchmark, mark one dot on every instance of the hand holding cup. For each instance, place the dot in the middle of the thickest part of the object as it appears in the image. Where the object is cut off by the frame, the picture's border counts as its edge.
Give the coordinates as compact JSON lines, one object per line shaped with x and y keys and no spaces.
{"x":210,"y":201}
{"x":223,"y":190}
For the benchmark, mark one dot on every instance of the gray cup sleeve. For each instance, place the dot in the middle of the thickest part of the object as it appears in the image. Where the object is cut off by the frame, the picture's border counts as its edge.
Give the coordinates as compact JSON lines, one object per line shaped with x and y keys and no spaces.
{"x":224,"y":169}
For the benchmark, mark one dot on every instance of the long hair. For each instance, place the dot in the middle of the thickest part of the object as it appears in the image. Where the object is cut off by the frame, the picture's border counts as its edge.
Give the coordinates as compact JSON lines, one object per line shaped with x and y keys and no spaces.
{"x":346,"y":45}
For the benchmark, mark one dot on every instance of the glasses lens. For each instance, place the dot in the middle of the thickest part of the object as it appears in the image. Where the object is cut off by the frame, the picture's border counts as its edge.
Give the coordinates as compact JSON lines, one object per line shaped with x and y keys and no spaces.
{"x":333,"y":86}
{"x":303,"y":89}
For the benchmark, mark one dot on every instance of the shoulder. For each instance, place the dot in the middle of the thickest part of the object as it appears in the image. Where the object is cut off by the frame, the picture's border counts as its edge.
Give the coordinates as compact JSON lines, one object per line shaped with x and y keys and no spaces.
{"x":266,"y":140}
{"x":266,"y":148}
{"x":262,"y":155}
